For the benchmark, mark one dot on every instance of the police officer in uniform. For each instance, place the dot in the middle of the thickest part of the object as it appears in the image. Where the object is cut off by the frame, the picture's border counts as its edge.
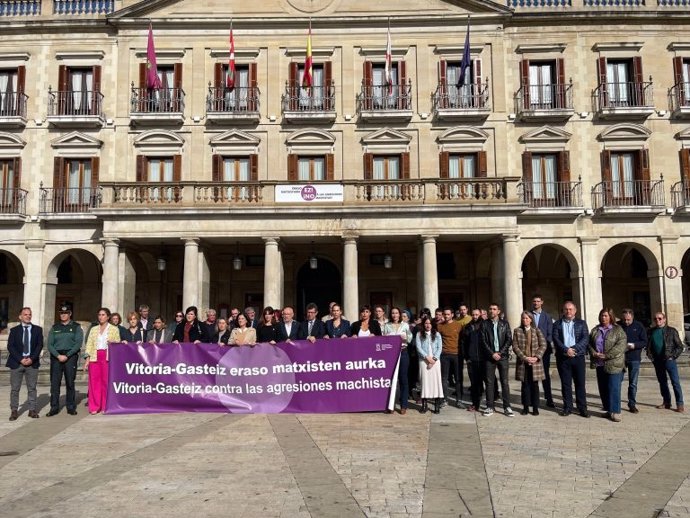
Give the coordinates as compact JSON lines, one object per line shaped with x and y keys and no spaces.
{"x":64,"y":343}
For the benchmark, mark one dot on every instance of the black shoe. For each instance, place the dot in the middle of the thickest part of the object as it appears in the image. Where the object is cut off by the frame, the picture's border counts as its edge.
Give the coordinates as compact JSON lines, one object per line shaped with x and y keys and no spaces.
{"x":14,"y":415}
{"x":550,"y":404}
{"x":72,"y":411}
{"x":438,"y":405}
{"x":565,"y":413}
{"x":53,"y":411}
{"x":33,"y":414}
{"x":524,"y":411}
{"x":634,"y":410}
{"x":535,"y":412}
{"x":585,"y":414}
{"x":425,"y":407}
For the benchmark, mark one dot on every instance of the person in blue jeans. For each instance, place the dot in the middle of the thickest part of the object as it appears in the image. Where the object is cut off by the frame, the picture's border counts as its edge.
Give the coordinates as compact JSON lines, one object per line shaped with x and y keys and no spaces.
{"x":637,"y":340}
{"x":664,"y":347}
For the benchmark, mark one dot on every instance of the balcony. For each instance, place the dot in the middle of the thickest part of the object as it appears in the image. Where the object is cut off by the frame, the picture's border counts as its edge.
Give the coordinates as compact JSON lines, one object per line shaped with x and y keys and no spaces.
{"x":629,"y":197}
{"x":623,"y":100}
{"x":679,"y":100}
{"x":157,"y":106}
{"x":385,"y":103}
{"x":312,"y":105}
{"x":13,"y":109}
{"x":13,"y":204}
{"x":467,"y":103}
{"x":680,"y":195}
{"x":241,"y":104}
{"x":68,"y":109}
{"x":548,"y":102}
{"x":552,"y":198}
{"x":81,"y":7}
{"x":77,"y":201}
{"x":20,"y":8}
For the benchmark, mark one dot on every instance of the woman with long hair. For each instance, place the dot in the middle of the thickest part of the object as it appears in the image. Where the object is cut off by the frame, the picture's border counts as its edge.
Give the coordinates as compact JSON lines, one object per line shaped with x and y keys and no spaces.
{"x":529,"y":345}
{"x":337,"y":326}
{"x":396,"y":326}
{"x":267,"y":332}
{"x":428,"y":343}
{"x":365,"y":326}
{"x":189,"y":330}
{"x":96,"y":359}
{"x":242,"y":334}
{"x":607,"y":345}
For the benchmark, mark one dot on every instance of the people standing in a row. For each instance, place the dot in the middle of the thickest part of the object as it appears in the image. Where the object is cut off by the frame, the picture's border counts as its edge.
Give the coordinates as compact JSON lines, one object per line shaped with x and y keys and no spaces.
{"x":636,"y":336}
{"x":571,"y":338}
{"x":529,"y":345}
{"x":496,"y":343}
{"x":544,"y":322}
{"x":96,"y":359}
{"x":664,"y":348}
{"x":607,"y":345}
{"x":65,"y":339}
{"x":451,"y":355}
{"x":24,"y":345}
{"x":396,"y":327}
{"x":429,"y":345}
{"x":472,"y":351}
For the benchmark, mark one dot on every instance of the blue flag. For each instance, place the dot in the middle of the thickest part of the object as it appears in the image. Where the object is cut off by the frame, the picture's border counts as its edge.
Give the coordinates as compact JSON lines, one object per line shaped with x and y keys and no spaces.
{"x":466,"y":61}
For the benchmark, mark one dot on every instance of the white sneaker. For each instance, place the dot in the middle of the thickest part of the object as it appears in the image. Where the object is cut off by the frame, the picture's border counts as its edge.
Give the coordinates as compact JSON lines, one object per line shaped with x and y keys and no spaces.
{"x":488,"y":412}
{"x":509,"y":412}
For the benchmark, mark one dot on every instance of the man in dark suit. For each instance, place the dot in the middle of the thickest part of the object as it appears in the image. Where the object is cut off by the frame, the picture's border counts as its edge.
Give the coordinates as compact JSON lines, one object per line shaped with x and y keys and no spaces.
{"x":24,"y":346}
{"x":570,"y":339}
{"x":544,"y":322}
{"x":145,"y":321}
{"x":312,"y":328}
{"x":252,"y":320}
{"x":288,"y":329}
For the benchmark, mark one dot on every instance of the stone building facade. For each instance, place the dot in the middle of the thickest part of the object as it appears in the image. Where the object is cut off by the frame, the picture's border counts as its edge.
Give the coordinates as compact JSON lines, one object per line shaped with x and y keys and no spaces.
{"x":559,"y":165}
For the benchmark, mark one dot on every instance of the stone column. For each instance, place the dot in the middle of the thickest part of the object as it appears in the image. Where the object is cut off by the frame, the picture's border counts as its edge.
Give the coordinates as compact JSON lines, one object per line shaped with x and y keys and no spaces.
{"x":34,"y":287}
{"x":430,"y":273}
{"x":350,"y":279}
{"x":591,"y":280}
{"x":671,"y":287}
{"x":111,"y":254}
{"x":272,"y":272}
{"x":204,"y":292}
{"x":420,"y":276}
{"x":512,"y":267}
{"x":497,"y":275}
{"x":190,"y":283}
{"x":127,"y":284}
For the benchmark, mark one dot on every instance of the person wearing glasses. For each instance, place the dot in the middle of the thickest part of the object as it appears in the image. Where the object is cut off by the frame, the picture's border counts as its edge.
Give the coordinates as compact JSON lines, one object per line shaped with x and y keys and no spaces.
{"x":663,"y":348}
{"x":179,"y":318}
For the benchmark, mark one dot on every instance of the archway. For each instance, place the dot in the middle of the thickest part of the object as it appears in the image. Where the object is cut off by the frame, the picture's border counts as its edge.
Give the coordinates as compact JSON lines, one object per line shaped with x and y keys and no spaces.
{"x":74,"y":279}
{"x":551,"y":271}
{"x":320,"y":285}
{"x":11,"y":288}
{"x":627,"y":280}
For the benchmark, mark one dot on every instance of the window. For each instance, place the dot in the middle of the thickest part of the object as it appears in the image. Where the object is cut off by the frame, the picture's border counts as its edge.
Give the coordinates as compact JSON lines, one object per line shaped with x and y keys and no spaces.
{"x":626,"y":177}
{"x":681,"y":73}
{"x":78,"y":90}
{"x":378,"y":94}
{"x":384,"y":172}
{"x":462,"y":165}
{"x":319,"y":96}
{"x":621,"y":82}
{"x":159,"y":170}
{"x":307,"y":168}
{"x":9,"y":183}
{"x":543,"y":84}
{"x":234,"y":169}
{"x":469,"y":94}
{"x":386,"y":168}
{"x":243,"y":96}
{"x":546,"y":179}
{"x":75,"y":183}
{"x":12,"y":92}
{"x":166,"y":99}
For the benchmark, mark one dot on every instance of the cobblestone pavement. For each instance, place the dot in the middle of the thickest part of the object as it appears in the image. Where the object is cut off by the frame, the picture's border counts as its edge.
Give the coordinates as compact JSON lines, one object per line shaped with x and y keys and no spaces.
{"x":456,"y":463}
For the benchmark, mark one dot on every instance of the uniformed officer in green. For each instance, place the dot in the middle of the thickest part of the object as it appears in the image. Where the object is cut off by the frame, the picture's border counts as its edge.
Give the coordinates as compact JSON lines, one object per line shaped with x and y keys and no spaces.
{"x":64,"y":343}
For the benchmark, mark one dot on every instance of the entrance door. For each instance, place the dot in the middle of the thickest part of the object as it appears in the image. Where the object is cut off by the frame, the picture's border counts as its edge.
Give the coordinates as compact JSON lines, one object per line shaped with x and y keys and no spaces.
{"x":320,"y":286}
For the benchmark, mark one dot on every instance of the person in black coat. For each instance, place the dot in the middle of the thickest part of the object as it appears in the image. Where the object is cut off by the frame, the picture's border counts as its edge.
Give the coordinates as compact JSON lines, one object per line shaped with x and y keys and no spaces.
{"x":190,"y":330}
{"x":267,"y":332}
{"x":312,"y":328}
{"x":544,"y":322}
{"x":134,"y":333}
{"x":24,"y":346}
{"x":288,"y":329}
{"x":223,"y":334}
{"x":365,"y":326}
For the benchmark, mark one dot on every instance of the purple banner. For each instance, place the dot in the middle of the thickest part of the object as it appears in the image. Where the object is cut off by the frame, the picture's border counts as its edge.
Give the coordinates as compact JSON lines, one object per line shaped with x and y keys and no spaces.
{"x":328,"y":376}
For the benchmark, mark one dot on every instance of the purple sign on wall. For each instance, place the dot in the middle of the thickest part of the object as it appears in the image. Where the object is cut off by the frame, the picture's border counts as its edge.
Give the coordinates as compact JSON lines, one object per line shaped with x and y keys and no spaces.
{"x":328,"y":376}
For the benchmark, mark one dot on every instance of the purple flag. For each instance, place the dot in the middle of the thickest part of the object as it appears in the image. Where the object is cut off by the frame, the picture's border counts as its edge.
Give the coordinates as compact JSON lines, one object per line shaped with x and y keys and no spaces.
{"x":152,"y":79}
{"x":337,"y":375}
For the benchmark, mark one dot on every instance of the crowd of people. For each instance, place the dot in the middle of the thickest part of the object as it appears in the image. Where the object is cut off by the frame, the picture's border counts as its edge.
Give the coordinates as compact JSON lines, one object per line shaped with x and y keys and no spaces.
{"x":433,"y":356}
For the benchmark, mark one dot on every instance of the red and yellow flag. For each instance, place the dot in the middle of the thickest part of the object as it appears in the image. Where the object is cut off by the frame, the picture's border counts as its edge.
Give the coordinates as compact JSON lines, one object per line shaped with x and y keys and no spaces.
{"x":308,"y":66}
{"x":230,"y":82}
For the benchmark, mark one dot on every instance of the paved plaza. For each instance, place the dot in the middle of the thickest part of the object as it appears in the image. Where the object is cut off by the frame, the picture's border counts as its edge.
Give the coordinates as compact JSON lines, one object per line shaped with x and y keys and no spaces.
{"x":456,"y":463}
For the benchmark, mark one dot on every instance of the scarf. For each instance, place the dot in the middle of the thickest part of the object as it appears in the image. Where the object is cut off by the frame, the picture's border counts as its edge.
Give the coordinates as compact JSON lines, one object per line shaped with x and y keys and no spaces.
{"x":187,"y":329}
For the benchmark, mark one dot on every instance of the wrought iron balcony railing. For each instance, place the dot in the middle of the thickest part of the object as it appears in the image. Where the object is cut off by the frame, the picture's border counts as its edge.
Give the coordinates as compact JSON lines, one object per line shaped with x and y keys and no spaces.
{"x":628,"y":193}
{"x":385,"y":97}
{"x":13,"y":104}
{"x":467,"y":97}
{"x":680,"y":194}
{"x":313,"y":99}
{"x":157,"y":100}
{"x":69,"y":200}
{"x":241,"y":99}
{"x":551,"y":194}
{"x":13,"y":201}
{"x":608,"y":96}
{"x":544,"y":98}
{"x":679,"y":96}
{"x":75,"y":103}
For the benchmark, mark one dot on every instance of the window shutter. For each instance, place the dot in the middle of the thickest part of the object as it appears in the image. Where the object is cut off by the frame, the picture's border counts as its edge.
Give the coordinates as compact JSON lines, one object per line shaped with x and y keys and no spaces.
{"x":405,"y":166}
{"x":177,"y":75}
{"x":560,"y":84}
{"x":564,"y":166}
{"x":17,"y":172}
{"x":443,"y":164}
{"x":96,"y":71}
{"x":477,"y":100}
{"x":368,"y":74}
{"x":142,"y":76}
{"x":328,"y":91}
{"x":330,"y":167}
{"x":442,"y":84}
{"x":141,"y":169}
{"x":254,"y":167}
{"x":368,"y":166}
{"x":643,"y":167}
{"x":684,"y":165}
{"x":678,"y":80}
{"x":601,"y":71}
{"x":219,"y":75}
{"x":177,"y":168}
{"x":292,"y":166}
{"x":638,"y":78}
{"x":253,"y":94}
{"x":58,"y":173}
{"x":21,"y":79}
{"x":216,"y":168}
{"x":95,"y":171}
{"x":293,"y":85}
{"x":637,"y":70}
{"x":482,"y":168}
{"x":63,"y":78}
{"x":404,"y":96}
{"x":524,"y":82}
{"x":527,"y":168}
{"x":95,"y":98}
{"x":606,"y":166}
{"x":367,"y":85}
